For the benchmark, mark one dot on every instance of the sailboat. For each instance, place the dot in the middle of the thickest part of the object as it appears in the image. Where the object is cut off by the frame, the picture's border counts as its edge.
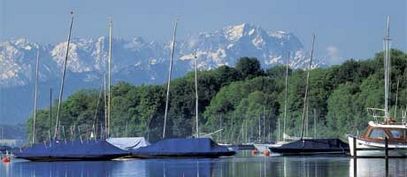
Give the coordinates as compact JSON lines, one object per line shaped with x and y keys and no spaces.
{"x":182,"y":147}
{"x":264,"y":148}
{"x":64,"y":150}
{"x":124,"y":143}
{"x":305,"y":145}
{"x":377,"y":131}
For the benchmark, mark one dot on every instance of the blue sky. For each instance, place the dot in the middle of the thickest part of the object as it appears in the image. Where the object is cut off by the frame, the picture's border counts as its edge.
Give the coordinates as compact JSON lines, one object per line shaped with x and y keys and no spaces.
{"x":344,"y":28}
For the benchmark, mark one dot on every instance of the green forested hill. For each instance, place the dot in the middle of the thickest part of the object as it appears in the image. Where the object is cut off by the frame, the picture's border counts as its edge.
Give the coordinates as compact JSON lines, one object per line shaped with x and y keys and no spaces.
{"x":236,"y":99}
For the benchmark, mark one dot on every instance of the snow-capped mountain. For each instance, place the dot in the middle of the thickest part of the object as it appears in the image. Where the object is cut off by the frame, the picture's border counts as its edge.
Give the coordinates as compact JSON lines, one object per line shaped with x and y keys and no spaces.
{"x":88,"y":56}
{"x":137,"y":60}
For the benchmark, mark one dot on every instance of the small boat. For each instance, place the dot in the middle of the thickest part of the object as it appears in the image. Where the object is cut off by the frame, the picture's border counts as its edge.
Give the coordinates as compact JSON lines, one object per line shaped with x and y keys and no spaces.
{"x":6,"y":158}
{"x":374,"y":138}
{"x":71,"y":151}
{"x":311,"y":147}
{"x":372,"y":141}
{"x":183,"y":147}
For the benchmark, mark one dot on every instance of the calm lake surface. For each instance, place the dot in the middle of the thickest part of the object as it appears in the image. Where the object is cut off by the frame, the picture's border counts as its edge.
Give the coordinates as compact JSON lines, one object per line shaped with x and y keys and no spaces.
{"x":242,"y":165}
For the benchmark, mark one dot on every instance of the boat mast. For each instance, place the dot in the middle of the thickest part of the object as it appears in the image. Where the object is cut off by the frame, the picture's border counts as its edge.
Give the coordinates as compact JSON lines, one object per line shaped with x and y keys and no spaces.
{"x":259,"y":128}
{"x":35,"y":96}
{"x":50,"y":114}
{"x":304,"y":110}
{"x":169,"y":77}
{"x":387,"y":65}
{"x":109,"y":79}
{"x":397,"y":98}
{"x":196,"y":96}
{"x":95,"y":123}
{"x":105,"y":101}
{"x":63,"y":80}
{"x":286,"y":95}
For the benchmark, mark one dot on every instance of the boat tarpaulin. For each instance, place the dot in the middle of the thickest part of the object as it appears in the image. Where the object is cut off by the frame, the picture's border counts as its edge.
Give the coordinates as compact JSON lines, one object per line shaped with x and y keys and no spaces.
{"x":204,"y":147}
{"x":312,"y":146}
{"x":128,"y":143}
{"x":71,"y":150}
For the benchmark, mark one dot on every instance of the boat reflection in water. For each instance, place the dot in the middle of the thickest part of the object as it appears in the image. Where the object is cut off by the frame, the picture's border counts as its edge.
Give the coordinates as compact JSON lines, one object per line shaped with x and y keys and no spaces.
{"x":242,"y":165}
{"x":179,"y":167}
{"x":375,"y":167}
{"x":62,"y":169}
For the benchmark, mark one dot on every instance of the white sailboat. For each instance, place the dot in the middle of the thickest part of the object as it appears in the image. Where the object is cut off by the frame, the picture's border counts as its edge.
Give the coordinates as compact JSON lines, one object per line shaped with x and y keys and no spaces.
{"x":376,"y":132}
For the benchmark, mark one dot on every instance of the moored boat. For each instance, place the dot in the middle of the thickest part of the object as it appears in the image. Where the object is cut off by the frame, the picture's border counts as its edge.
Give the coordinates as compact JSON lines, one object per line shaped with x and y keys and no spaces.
{"x":183,"y":147}
{"x":311,"y":147}
{"x":90,"y":150}
{"x":372,"y":142}
{"x":57,"y":149}
{"x":305,"y":145}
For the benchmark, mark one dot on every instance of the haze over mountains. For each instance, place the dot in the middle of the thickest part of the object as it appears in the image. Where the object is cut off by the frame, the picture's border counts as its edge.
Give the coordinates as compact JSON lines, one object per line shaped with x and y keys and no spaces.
{"x":134,"y":60}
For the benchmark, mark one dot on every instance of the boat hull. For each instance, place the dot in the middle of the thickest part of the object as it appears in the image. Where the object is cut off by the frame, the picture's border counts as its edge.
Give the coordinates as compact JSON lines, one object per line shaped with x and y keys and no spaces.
{"x":399,"y":150}
{"x":187,"y":155}
{"x":82,"y":158}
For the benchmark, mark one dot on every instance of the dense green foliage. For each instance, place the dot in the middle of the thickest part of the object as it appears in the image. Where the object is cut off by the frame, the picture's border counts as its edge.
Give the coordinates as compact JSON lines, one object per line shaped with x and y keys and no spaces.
{"x":245,"y":103}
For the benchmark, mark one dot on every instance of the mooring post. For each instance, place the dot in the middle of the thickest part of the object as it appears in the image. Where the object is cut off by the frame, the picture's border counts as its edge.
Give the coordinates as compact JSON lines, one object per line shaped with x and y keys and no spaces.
{"x":386,"y":154}
{"x":354,"y":157}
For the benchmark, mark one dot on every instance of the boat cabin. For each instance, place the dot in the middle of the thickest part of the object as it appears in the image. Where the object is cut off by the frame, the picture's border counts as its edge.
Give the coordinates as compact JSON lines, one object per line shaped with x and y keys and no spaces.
{"x":377,"y":132}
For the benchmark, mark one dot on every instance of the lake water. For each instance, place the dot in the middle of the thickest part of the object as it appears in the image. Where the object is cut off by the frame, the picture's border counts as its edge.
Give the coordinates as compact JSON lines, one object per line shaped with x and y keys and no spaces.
{"x":242,"y":165}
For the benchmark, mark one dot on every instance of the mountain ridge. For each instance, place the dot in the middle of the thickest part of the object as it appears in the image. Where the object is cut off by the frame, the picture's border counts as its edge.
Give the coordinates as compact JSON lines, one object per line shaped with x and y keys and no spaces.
{"x":135,"y":60}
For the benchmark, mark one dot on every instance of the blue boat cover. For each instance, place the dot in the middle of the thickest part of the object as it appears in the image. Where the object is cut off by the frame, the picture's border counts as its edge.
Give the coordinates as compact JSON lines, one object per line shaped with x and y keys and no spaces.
{"x":184,"y":147}
{"x":91,"y":149}
{"x":316,"y":146}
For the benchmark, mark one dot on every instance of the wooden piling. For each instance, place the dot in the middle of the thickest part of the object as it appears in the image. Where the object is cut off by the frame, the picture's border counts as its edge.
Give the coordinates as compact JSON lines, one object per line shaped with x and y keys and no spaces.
{"x":354,"y":157}
{"x":386,"y":154}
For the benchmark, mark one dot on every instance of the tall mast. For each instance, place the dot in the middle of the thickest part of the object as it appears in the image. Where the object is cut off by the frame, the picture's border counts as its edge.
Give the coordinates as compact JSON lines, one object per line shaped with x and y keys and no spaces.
{"x":286,"y":95}
{"x":387,"y":66}
{"x":35,"y":96}
{"x":61,"y":91}
{"x":196,"y":96}
{"x":304,"y":110}
{"x":169,"y":77}
{"x":397,"y":98}
{"x":105,"y":101}
{"x":109,"y":79}
{"x":50,"y":112}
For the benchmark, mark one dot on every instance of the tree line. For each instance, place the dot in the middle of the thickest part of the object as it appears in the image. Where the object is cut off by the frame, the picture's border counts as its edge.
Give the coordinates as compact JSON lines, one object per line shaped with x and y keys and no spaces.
{"x":244,"y":103}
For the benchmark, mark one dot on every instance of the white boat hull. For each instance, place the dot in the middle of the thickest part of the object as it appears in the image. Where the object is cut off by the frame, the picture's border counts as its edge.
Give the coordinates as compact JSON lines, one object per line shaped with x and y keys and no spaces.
{"x":398,"y":150}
